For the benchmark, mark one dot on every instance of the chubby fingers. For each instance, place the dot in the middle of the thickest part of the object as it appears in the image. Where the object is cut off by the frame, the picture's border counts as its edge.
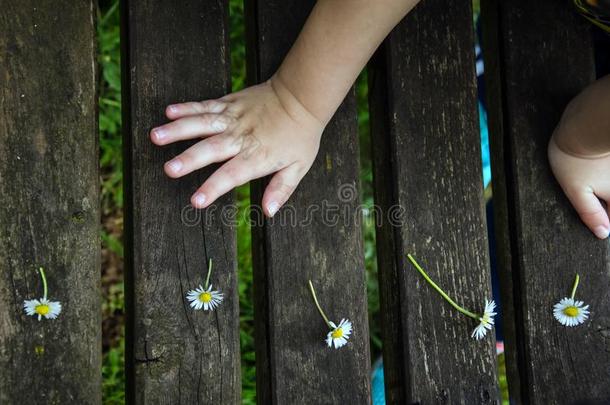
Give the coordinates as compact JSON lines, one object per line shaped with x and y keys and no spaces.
{"x":189,"y":127}
{"x":175,"y":111}
{"x":237,"y":171}
{"x":591,"y":212}
{"x":210,"y":150}
{"x":281,"y":187}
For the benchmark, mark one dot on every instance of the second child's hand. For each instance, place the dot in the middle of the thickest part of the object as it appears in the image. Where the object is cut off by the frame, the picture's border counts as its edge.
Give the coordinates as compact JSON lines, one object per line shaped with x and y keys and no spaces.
{"x":579,"y":154}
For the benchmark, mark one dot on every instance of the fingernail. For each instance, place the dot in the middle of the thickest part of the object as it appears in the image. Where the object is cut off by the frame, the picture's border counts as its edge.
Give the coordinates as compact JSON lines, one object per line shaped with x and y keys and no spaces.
{"x":159,"y":133}
{"x":172,"y":108}
{"x":175,"y":165}
{"x":199,"y":199}
{"x":273,"y":207}
{"x":219,"y":125}
{"x":601,"y":232}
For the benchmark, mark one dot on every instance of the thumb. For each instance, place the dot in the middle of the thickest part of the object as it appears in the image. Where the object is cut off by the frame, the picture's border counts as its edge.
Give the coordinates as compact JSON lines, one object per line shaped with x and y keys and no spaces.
{"x":280,"y":188}
{"x":591,"y":212}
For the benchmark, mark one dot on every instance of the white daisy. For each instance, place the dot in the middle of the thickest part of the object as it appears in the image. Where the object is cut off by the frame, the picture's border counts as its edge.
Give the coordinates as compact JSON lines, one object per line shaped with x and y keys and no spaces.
{"x":486,"y":321}
{"x":205,"y":298}
{"x":43,"y":308}
{"x":340,"y":334}
{"x":570,"y":312}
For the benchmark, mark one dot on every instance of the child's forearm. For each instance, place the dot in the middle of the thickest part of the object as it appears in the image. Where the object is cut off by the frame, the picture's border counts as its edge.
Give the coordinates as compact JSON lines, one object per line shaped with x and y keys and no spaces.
{"x":584,"y":129}
{"x":337,"y":40}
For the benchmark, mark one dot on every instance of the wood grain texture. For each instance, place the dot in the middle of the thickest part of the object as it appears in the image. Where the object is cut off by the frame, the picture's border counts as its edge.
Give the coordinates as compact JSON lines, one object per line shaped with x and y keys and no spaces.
{"x":427,"y":159}
{"x":173,"y":52}
{"x":49,"y":183}
{"x":544,"y":63}
{"x":315,"y":241}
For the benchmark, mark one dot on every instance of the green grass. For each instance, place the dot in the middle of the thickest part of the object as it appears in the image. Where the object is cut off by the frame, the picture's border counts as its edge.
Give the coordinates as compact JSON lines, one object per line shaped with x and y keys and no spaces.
{"x":112,"y":202}
{"x":113,"y":375}
{"x":502,"y":381}
{"x":113,"y":383}
{"x":110,"y":108}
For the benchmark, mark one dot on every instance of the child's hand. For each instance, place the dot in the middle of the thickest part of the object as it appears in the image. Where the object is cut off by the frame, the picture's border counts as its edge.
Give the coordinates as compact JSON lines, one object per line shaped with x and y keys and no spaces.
{"x":261,"y":130}
{"x":580,"y":157}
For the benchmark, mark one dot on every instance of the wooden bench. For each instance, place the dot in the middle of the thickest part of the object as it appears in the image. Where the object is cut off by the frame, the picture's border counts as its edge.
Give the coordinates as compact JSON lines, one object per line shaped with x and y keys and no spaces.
{"x":426,"y":153}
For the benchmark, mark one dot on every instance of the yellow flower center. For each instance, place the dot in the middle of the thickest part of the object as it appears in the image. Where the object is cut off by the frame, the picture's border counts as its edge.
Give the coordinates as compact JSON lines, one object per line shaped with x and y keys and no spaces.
{"x":42,"y":309}
{"x":571,"y":311}
{"x":205,"y":297}
{"x":337,"y":333}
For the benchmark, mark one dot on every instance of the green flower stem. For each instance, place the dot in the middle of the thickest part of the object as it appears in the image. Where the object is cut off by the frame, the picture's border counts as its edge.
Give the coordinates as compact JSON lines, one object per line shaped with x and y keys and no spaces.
{"x":315,"y":299}
{"x":44,"y":283}
{"x":441,"y":292}
{"x":207,"y":279}
{"x":576,"y":280}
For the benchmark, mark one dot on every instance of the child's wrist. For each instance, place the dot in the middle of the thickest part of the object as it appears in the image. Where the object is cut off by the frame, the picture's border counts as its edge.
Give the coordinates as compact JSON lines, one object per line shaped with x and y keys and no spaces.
{"x":292,"y":102}
{"x":572,"y":145}
{"x":584,"y":129}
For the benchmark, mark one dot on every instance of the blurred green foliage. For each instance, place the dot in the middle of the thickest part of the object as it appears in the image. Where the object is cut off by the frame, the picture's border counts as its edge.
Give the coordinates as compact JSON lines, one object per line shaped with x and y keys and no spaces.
{"x":110,"y":107}
{"x":237,"y":37}
{"x":503,"y":382}
{"x":113,"y":375}
{"x":112,"y":199}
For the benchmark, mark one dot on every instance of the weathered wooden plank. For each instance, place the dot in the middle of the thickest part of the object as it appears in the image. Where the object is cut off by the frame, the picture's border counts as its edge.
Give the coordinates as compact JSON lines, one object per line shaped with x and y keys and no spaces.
{"x":49,"y":186}
{"x":293,"y":364}
{"x":175,"y":53}
{"x":542,"y":67}
{"x":427,"y":161}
